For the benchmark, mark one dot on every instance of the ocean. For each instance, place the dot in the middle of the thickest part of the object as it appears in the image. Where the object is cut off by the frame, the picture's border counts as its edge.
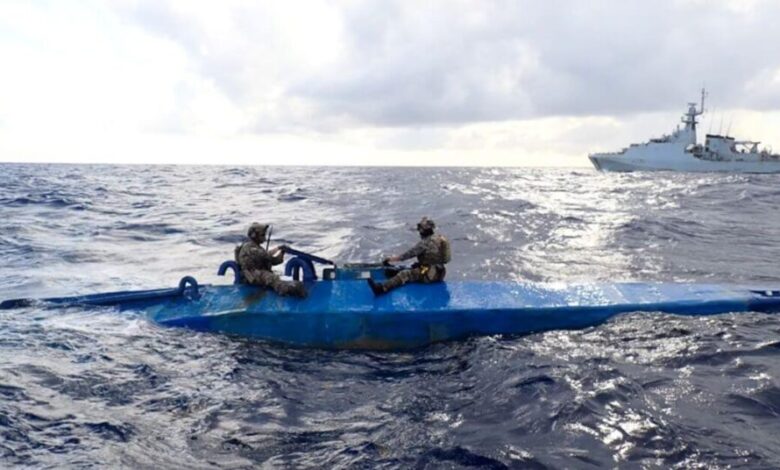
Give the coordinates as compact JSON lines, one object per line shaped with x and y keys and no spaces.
{"x":98,"y":388}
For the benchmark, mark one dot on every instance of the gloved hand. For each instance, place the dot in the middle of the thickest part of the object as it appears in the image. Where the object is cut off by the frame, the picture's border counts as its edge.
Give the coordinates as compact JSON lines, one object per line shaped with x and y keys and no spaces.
{"x":386,"y":262}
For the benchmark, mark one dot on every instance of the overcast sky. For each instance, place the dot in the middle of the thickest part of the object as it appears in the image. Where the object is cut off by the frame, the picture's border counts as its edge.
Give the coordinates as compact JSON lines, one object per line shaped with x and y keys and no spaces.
{"x":516,"y":83}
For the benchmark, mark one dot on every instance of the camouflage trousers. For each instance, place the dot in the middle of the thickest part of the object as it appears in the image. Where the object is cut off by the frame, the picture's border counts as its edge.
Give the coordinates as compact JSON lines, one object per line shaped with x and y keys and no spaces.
{"x":269,"y":279}
{"x":422,"y":274}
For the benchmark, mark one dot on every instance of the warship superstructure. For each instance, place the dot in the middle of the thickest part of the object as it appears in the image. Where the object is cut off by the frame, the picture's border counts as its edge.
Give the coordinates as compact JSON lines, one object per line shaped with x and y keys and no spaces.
{"x":679,"y":151}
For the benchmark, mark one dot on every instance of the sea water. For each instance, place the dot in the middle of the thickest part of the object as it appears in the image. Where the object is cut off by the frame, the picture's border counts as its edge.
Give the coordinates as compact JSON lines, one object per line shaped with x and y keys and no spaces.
{"x":98,"y":388}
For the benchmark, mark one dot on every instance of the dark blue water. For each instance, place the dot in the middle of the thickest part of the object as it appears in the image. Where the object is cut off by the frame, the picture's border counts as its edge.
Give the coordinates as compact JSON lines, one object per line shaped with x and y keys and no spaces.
{"x":102,"y":389}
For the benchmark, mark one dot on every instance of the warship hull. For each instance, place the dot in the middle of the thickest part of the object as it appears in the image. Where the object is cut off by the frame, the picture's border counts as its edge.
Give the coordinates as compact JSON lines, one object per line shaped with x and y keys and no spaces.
{"x":611,"y":163}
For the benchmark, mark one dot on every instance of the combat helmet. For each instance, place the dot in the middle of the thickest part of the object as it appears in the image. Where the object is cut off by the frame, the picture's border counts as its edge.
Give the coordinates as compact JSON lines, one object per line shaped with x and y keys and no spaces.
{"x":257,"y":228}
{"x":425,"y":225}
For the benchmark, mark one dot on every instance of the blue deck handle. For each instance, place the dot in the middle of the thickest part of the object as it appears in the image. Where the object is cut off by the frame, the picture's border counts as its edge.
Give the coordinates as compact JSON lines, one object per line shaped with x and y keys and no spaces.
{"x":299,"y":265}
{"x":230,"y":265}
{"x":302,"y":265}
{"x":193,"y":287}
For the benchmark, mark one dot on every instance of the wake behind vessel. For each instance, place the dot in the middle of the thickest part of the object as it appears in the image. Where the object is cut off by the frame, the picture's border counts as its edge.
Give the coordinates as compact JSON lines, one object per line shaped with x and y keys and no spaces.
{"x":680,"y":151}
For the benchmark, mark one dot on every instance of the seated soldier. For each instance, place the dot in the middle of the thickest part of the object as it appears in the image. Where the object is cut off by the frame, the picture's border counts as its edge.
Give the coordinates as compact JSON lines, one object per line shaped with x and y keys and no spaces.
{"x":432,"y":253}
{"x":256,"y":264}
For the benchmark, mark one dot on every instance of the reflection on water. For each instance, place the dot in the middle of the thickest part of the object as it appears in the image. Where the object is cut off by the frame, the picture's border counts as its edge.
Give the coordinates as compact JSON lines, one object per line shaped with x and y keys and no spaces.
{"x":98,"y":388}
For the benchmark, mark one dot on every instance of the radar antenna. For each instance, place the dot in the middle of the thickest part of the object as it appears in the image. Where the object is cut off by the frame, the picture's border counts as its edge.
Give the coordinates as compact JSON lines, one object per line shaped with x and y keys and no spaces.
{"x":689,"y":118}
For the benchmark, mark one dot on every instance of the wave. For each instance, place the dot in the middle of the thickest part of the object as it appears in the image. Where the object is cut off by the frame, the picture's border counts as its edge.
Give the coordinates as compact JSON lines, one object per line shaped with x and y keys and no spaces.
{"x":94,"y":387}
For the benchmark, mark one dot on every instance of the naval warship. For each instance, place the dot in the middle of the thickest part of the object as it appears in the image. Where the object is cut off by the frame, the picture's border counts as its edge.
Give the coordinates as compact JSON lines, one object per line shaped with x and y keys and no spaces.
{"x":679,"y":151}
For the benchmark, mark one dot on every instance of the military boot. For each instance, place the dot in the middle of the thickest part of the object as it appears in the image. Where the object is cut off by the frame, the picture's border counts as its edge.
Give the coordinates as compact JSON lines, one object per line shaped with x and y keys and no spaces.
{"x":290,"y":289}
{"x":298,"y":290}
{"x":376,"y":287}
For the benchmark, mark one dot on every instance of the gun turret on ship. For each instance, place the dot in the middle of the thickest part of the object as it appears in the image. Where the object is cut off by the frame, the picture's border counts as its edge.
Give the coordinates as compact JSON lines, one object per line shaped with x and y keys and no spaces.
{"x":679,"y":151}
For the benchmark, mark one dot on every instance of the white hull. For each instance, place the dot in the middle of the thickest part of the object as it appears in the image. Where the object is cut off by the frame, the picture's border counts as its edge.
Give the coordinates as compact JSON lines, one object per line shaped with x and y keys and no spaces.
{"x":619,"y":163}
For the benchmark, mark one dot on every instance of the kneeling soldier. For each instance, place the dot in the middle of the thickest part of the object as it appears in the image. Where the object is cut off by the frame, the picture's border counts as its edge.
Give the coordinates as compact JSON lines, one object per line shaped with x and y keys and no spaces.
{"x":256,"y":264}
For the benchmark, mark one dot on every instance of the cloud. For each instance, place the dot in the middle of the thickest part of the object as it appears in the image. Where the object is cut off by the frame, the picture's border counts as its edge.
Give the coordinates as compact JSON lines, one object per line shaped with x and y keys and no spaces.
{"x":466,"y":62}
{"x":378,"y":75}
{"x":325,"y":65}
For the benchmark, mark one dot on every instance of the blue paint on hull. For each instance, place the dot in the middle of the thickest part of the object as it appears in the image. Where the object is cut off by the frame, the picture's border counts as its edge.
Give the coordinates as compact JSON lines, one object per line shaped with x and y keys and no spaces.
{"x":345,"y":314}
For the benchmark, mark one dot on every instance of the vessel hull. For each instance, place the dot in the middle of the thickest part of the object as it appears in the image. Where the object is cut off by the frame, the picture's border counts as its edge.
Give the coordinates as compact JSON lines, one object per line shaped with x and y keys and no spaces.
{"x":346,"y":314}
{"x":691,"y":164}
{"x":679,"y":151}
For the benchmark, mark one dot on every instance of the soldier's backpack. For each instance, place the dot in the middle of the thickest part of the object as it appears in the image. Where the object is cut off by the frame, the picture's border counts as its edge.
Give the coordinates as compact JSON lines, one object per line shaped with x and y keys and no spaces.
{"x":445,"y":253}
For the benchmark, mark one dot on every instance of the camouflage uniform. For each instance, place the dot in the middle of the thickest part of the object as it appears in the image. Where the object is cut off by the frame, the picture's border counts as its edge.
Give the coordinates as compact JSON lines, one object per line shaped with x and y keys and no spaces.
{"x":432,"y":254}
{"x":256,"y":268}
{"x":428,"y":268}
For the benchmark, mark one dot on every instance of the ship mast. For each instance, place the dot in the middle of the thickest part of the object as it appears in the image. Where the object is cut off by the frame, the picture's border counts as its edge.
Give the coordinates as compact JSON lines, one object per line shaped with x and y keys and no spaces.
{"x":703,"y":94}
{"x":689,"y":119}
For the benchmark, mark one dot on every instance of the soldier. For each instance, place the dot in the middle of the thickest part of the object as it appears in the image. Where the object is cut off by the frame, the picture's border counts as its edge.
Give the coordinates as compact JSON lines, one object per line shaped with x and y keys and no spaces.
{"x":256,"y":264}
{"x":432,"y":253}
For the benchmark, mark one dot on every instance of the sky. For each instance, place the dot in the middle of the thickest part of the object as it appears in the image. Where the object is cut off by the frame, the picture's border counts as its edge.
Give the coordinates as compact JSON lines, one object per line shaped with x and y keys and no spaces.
{"x":450,"y":82}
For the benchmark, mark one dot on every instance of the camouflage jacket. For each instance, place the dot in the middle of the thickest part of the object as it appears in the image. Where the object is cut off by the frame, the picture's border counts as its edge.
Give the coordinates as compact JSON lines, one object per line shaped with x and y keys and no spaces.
{"x":250,"y":256}
{"x":428,"y":251}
